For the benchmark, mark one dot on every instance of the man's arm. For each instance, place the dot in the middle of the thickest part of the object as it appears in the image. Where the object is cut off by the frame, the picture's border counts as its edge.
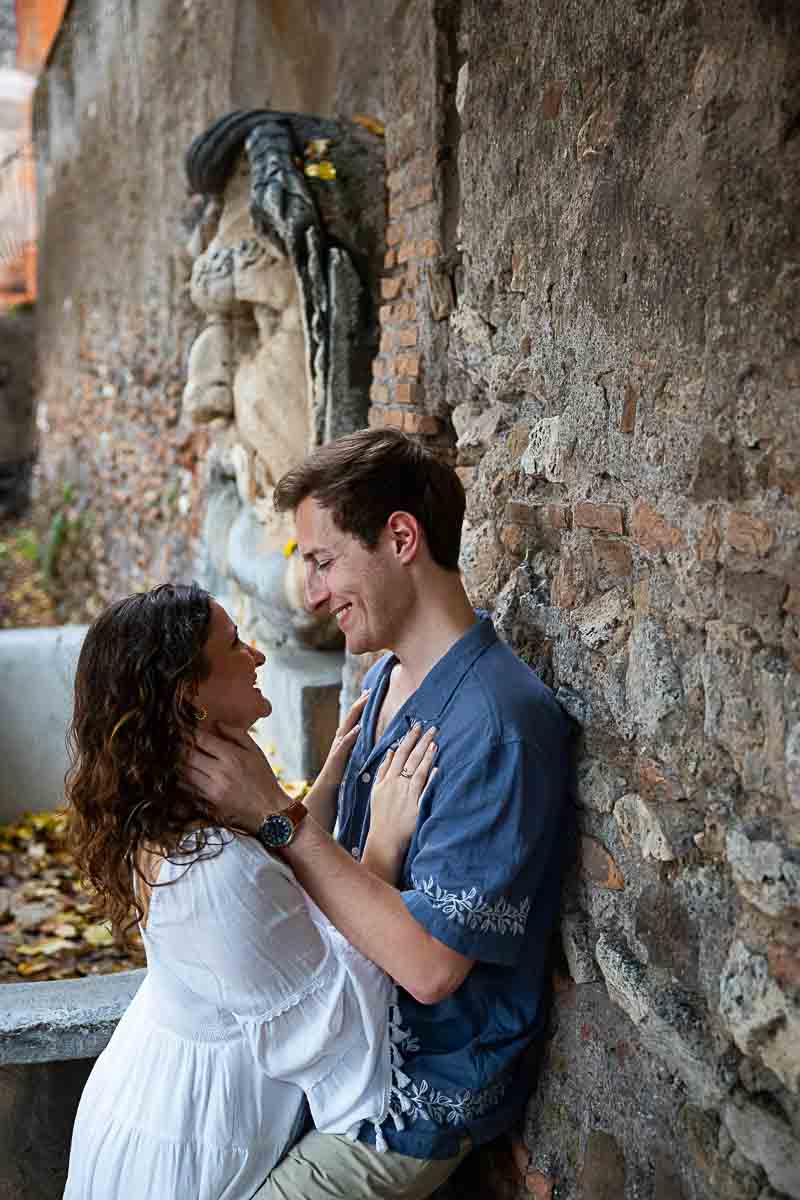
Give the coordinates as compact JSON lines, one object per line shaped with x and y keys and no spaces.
{"x":232,"y":772}
{"x":372,"y":916}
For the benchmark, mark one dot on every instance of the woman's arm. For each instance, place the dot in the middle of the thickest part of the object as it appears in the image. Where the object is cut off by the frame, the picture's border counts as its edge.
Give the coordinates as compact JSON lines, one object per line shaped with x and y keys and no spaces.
{"x":321,"y":799}
{"x":394,"y":803}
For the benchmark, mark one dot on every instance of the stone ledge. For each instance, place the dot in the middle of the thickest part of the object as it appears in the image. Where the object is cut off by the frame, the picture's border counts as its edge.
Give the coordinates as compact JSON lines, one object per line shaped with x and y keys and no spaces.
{"x":54,"y":1022}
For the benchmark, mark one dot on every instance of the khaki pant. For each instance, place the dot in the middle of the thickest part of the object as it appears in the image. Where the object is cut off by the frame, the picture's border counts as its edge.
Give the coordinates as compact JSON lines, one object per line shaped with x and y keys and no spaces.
{"x":327,"y":1166}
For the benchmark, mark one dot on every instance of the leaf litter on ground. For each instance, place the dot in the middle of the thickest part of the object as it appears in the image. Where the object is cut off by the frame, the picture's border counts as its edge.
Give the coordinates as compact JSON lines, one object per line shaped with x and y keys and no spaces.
{"x":47,"y":930}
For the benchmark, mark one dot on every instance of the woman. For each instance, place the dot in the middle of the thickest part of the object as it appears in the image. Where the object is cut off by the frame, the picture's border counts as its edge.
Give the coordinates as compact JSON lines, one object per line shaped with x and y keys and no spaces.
{"x":251,"y":997}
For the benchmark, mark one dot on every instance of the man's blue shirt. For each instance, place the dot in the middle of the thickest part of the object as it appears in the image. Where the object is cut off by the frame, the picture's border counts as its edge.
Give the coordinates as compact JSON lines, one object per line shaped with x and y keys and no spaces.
{"x":482,"y":875}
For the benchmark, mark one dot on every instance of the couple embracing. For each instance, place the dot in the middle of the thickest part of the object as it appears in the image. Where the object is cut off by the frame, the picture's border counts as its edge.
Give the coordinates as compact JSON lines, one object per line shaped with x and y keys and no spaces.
{"x":378,"y":950}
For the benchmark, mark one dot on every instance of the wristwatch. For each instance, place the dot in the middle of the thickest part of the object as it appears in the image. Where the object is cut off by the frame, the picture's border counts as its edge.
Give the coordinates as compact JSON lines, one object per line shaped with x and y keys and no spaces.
{"x":278,"y":829}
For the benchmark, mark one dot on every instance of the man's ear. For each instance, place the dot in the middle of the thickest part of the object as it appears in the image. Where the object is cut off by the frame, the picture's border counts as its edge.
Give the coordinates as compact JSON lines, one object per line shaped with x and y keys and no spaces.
{"x":405,"y":534}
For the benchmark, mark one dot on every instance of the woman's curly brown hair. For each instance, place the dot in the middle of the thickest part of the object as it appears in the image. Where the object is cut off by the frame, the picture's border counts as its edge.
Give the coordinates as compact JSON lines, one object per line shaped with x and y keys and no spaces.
{"x":137,"y":672}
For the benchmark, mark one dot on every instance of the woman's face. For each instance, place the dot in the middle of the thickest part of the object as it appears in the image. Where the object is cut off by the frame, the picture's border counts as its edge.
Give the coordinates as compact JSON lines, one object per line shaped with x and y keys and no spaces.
{"x":229,"y":692}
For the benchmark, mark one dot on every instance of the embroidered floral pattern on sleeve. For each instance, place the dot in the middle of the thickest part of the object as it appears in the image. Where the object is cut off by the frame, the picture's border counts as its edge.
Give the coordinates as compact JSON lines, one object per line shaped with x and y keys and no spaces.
{"x":474,"y":911}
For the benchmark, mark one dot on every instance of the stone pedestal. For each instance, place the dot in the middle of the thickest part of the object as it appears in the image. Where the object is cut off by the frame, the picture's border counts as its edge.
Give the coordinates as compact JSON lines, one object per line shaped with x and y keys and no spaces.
{"x":303,"y":686}
{"x":50,"y":1035}
{"x":37,"y":670}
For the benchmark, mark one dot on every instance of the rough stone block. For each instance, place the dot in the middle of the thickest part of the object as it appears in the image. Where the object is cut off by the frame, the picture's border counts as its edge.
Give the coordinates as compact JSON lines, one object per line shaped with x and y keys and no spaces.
{"x":749,"y":595}
{"x":763,"y":1018}
{"x":766,"y":873}
{"x":642,"y":825}
{"x":479,"y":429}
{"x":599,"y":620}
{"x":744,"y":705}
{"x":599,"y":785}
{"x":653,"y":682}
{"x":669,"y":1020}
{"x":542,"y":458}
{"x":707,"y":1143}
{"x":765,"y":1139}
{"x":578,"y":948}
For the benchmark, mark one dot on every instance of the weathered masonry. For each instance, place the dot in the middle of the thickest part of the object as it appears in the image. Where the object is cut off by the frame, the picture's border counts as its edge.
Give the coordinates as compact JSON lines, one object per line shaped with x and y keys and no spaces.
{"x":589,"y":303}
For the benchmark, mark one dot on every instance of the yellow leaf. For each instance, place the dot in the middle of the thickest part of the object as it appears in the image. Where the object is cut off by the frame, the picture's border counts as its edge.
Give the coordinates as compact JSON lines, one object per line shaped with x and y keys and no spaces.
{"x":33,"y":968}
{"x":98,"y":935}
{"x":290,"y":547}
{"x":372,"y":124}
{"x":54,"y":946}
{"x":321,"y":170}
{"x":67,"y":930}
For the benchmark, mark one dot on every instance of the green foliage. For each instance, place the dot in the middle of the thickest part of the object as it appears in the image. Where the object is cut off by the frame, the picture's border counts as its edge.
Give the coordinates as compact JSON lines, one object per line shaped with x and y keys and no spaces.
{"x":63,"y":526}
{"x":52,"y":547}
{"x":26,"y":543}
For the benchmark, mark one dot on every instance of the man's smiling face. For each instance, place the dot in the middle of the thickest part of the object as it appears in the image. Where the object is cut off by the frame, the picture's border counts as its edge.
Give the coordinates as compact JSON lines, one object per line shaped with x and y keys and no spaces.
{"x":365,"y":590}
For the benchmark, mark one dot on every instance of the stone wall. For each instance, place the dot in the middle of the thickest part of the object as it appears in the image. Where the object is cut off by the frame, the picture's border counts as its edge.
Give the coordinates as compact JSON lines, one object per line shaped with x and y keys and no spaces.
{"x":125,"y":90}
{"x":589,"y":287}
{"x":590,"y":292}
{"x":8,"y":34}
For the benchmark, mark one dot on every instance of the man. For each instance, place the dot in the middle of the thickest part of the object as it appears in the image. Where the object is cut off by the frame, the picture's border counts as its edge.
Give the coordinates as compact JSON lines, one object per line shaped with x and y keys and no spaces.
{"x":465,"y":934}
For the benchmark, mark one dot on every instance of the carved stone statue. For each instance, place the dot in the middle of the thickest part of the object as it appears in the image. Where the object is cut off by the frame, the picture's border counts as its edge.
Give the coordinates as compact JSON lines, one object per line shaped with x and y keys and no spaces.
{"x":287,"y":259}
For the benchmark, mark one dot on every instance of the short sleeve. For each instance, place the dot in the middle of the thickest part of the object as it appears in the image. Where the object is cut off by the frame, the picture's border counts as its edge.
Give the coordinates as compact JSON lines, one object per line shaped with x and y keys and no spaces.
{"x":242,"y":936}
{"x":236,"y":929}
{"x":485,"y":850}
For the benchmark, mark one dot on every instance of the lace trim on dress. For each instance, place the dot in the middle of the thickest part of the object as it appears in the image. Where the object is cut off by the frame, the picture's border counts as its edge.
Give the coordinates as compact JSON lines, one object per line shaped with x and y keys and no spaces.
{"x":316,"y":985}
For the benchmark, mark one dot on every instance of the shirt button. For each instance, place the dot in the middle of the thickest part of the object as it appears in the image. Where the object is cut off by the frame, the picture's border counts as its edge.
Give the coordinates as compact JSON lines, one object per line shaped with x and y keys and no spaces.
{"x":365,"y":778}
{"x":356,"y":853}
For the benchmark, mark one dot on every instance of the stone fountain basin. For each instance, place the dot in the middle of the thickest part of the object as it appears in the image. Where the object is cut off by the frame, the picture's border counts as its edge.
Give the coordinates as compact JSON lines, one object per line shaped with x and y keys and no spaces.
{"x":50,"y":1033}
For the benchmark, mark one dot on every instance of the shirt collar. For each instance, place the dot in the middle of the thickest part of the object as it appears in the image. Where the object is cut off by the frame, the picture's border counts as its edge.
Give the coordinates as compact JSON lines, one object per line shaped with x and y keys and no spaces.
{"x":431,"y":698}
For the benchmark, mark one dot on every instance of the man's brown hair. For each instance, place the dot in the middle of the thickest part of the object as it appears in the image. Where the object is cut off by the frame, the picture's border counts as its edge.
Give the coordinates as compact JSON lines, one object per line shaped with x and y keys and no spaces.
{"x":362,"y":478}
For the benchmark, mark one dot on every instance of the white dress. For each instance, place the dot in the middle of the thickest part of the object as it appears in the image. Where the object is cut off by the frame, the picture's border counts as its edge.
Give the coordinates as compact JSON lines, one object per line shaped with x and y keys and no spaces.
{"x":251,"y":999}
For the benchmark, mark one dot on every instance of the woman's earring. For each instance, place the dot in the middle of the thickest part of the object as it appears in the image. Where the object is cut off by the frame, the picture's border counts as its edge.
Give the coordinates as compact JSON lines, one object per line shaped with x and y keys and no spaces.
{"x":201,"y":713}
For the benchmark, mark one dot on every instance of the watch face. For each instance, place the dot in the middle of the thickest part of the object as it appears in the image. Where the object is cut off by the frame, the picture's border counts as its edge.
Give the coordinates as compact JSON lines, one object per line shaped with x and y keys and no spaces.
{"x":276,"y":830}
